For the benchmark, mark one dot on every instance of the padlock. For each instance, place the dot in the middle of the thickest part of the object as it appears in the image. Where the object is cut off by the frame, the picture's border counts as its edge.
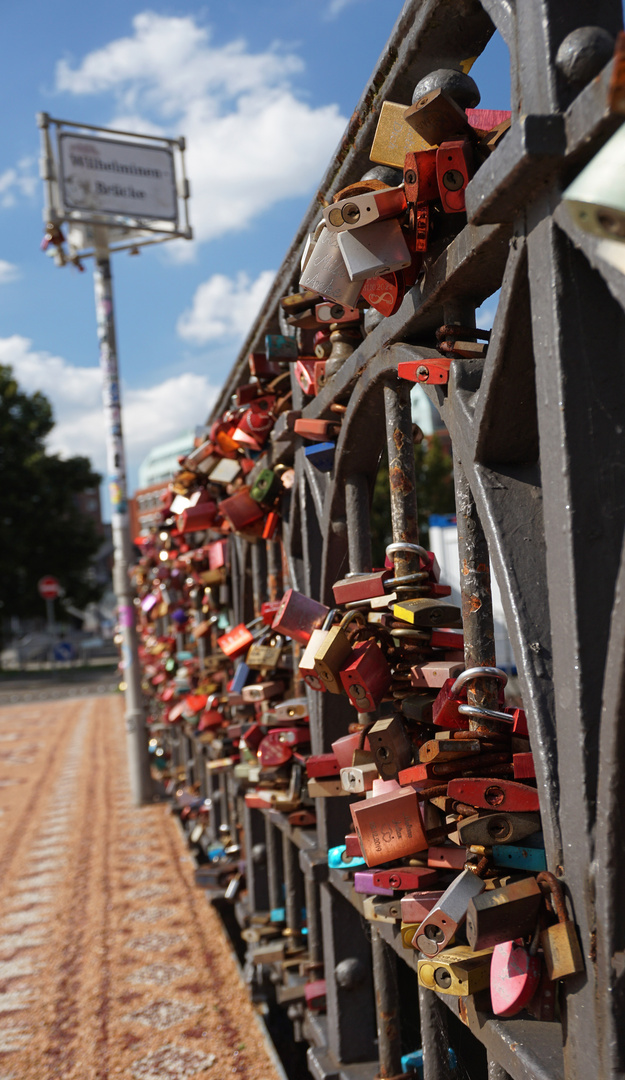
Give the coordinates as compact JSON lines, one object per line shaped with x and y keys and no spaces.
{"x":448,"y":749}
{"x":447,"y":857}
{"x":389,"y":826}
{"x":279,"y":347}
{"x":360,"y":210}
{"x":457,"y":971}
{"x":405,"y":877}
{"x":236,"y":642}
{"x":366,"y":678}
{"x":359,"y":778}
{"x":262,"y":691}
{"x":325,"y":787}
{"x":486,"y":829}
{"x":491,"y":794}
{"x":338,"y":859}
{"x":516,"y":857}
{"x":322,"y":765}
{"x":266,"y":652}
{"x":454,"y":168}
{"x":523,"y":766}
{"x":363,"y":883}
{"x":359,"y":587}
{"x":326,"y":273}
{"x":298,"y":616}
{"x":434,"y":673}
{"x":394,"y":138}
{"x":385,"y":293}
{"x":499,"y":915}
{"x":197,"y":518}
{"x":321,"y":456}
{"x":374,"y":250}
{"x":446,"y":708}
{"x":441,"y":924}
{"x":240,"y":510}
{"x":375,"y":910}
{"x":437,"y":118}
{"x":514,"y":976}
{"x":255,"y":424}
{"x":266,"y":488}
{"x":277,"y":746}
{"x":317,"y":430}
{"x":420,"y":181}
{"x":334,"y":651}
{"x":424,"y":611}
{"x":336,"y":313}
{"x":304,"y":372}
{"x":560,"y":943}
{"x":416,"y":906}
{"x":391,"y":746}
{"x":290,"y":710}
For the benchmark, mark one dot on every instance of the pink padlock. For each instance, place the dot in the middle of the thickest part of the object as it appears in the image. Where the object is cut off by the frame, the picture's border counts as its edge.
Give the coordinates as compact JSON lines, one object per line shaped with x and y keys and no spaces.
{"x":514,"y":977}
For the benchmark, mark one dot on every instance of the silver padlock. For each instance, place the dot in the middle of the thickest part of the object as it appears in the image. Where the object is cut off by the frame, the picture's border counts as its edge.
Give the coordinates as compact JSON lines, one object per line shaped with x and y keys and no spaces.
{"x":374,"y":249}
{"x":325,"y":271}
{"x":437,"y":930}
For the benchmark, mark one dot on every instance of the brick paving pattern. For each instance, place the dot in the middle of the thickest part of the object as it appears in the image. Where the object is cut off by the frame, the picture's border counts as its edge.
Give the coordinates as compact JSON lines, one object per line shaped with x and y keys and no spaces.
{"x":112,"y":964}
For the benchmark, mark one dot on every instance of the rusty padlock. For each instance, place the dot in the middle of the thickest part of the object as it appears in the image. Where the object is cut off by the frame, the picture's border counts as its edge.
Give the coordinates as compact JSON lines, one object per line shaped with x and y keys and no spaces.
{"x":560,"y":944}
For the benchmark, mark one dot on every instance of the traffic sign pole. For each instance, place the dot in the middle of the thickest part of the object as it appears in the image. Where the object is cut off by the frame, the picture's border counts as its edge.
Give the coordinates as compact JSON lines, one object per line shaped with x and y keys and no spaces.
{"x":136,"y":732}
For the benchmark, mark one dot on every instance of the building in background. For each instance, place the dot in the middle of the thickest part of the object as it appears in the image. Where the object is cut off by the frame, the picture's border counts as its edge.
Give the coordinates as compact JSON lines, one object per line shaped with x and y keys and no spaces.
{"x":155,"y":473}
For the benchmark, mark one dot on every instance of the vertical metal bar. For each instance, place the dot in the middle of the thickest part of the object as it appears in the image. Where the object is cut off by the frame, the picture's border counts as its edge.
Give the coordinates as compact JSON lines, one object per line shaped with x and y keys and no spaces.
{"x":255,"y":859}
{"x":259,"y":574}
{"x":137,"y":740}
{"x":358,"y":524}
{"x":274,"y":570}
{"x":314,"y":941}
{"x":274,"y":865}
{"x":293,"y":892}
{"x":401,"y":473}
{"x":347,"y":963}
{"x":477,"y":602}
{"x":386,"y":1005}
{"x":434,"y":1036}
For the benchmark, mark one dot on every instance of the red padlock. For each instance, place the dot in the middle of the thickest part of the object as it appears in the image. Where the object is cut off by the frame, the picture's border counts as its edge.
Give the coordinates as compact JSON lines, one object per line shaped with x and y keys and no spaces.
{"x":491,"y":794}
{"x":454,"y":166}
{"x":367,"y":676}
{"x":385,"y":293}
{"x":240,"y":509}
{"x":420,"y":179}
{"x":236,"y":642}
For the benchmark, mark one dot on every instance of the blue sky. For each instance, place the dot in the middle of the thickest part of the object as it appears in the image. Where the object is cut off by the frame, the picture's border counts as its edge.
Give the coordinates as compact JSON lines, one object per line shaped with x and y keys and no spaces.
{"x":262,"y":90}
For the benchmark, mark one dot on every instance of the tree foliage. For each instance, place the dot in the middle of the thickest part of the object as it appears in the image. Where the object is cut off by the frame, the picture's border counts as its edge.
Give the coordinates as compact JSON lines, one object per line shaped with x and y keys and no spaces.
{"x":42,"y":530}
{"x":435,"y":493}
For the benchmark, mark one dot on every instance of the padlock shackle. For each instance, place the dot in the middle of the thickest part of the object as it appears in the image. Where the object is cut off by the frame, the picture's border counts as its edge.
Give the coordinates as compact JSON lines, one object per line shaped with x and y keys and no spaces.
{"x":350,"y":616}
{"x":407,"y":579}
{"x":487,"y":714}
{"x":403,"y":545}
{"x":554,"y":896}
{"x":329,"y":619}
{"x":477,"y":673}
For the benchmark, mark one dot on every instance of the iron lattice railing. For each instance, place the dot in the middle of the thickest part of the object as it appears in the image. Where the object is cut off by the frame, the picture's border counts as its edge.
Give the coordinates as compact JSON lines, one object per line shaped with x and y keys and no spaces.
{"x":539,"y":454}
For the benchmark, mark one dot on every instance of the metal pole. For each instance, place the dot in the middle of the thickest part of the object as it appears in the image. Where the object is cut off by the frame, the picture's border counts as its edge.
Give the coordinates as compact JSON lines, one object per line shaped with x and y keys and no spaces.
{"x":401,"y":473}
{"x":386,"y":1005}
{"x":137,"y":741}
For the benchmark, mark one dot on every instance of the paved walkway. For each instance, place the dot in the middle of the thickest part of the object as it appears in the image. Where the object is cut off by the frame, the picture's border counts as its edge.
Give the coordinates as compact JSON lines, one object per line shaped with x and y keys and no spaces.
{"x":112,"y":964}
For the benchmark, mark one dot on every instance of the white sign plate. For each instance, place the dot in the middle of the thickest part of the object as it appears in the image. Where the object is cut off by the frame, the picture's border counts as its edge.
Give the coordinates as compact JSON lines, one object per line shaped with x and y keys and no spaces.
{"x":106,"y":176}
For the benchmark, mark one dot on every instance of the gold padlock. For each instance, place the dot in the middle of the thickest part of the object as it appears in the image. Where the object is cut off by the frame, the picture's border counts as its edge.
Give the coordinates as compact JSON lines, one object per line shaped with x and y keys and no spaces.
{"x":456,"y":971}
{"x":559,"y":943}
{"x":334,"y":651}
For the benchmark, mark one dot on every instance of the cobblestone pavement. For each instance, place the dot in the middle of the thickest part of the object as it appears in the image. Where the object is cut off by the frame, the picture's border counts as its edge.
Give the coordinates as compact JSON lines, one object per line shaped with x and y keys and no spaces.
{"x":112,"y":964}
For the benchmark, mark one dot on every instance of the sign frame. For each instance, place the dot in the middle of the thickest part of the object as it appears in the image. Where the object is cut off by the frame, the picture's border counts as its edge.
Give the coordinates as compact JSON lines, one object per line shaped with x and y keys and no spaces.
{"x":125,"y":231}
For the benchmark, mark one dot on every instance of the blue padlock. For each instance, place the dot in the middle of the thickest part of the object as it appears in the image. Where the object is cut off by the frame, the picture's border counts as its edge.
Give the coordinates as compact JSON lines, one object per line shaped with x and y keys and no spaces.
{"x":279,"y":347}
{"x":321,"y":455}
{"x":519,"y":858}
{"x":337,"y":860}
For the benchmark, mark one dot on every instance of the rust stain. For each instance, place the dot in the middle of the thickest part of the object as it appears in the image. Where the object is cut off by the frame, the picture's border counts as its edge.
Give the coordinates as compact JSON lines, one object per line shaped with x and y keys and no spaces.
{"x":398,"y":439}
{"x":398,"y":481}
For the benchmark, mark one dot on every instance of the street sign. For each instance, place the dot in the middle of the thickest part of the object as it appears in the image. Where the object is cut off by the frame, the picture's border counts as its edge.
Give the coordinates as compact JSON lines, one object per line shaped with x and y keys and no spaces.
{"x":108,"y":176}
{"x":49,"y":588}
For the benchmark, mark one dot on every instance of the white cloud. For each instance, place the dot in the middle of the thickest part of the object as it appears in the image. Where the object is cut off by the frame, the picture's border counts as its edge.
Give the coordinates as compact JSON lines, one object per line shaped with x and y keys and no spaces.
{"x":76,"y":397}
{"x":251,"y":141}
{"x":19,"y":180}
{"x":335,"y":7}
{"x":8,"y":272}
{"x":223,"y":307}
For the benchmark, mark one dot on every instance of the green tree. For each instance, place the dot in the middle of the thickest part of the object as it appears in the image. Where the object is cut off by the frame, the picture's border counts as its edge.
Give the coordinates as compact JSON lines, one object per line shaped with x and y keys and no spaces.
{"x":435,"y":493}
{"x":42,"y":530}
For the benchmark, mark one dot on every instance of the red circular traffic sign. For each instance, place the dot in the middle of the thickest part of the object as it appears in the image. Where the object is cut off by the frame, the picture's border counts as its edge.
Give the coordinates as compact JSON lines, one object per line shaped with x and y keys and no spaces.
{"x":49,"y":587}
